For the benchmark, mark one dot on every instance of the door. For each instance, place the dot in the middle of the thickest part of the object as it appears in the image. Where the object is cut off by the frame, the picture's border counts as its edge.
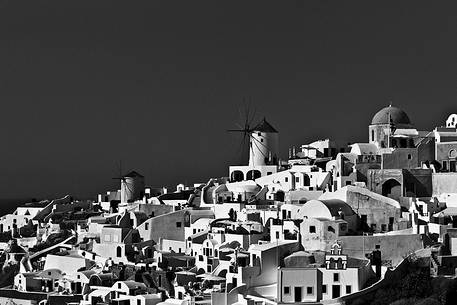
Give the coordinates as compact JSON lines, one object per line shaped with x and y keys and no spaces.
{"x":363,"y":220}
{"x":452,"y":166}
{"x":336,"y":291}
{"x":78,"y":288}
{"x":297,"y":293}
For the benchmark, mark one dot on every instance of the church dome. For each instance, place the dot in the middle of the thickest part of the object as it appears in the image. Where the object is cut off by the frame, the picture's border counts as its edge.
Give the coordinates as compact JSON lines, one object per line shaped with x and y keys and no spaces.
{"x":394,"y":114}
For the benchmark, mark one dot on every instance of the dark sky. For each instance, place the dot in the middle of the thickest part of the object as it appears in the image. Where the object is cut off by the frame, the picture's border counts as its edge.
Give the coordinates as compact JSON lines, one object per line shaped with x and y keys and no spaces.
{"x":84,"y":84}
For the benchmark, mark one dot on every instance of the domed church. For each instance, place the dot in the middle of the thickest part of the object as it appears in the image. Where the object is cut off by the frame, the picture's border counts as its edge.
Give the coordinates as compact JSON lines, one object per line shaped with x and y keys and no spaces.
{"x":384,"y":125}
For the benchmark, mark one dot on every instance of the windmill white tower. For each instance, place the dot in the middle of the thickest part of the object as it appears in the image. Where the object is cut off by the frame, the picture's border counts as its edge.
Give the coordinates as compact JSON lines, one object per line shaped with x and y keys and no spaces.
{"x":263,"y":144}
{"x":132,"y":186}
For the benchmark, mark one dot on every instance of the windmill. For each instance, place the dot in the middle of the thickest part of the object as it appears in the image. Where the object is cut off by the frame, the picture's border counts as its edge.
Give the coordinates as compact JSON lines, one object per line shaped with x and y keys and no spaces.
{"x":132,"y":185}
{"x":256,"y":145}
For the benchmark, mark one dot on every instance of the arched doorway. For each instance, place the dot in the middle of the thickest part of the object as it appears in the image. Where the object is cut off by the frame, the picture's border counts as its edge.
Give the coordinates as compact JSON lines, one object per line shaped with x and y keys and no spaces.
{"x":306,"y":180}
{"x":237,"y":176}
{"x":253,"y":174}
{"x":279,"y":196}
{"x":392,"y":189}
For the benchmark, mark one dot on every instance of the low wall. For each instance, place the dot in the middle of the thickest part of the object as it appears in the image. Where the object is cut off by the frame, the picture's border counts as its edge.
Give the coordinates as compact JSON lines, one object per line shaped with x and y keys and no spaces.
{"x":393,"y":247}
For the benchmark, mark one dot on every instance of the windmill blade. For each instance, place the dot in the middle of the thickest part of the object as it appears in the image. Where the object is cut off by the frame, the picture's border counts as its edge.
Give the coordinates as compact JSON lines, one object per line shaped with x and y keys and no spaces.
{"x":242,"y":148}
{"x":251,"y":120}
{"x":246,"y":119}
{"x":261,"y":143}
{"x":258,"y":147}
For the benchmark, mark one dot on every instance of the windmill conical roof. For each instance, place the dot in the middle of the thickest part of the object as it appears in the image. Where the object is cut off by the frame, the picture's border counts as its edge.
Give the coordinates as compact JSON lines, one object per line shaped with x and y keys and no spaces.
{"x":264,"y":126}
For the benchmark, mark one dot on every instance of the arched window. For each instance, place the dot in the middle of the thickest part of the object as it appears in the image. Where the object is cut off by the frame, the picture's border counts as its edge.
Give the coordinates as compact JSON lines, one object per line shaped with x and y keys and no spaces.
{"x":372,"y":135}
{"x":119,"y":251}
{"x":253,"y":174}
{"x":237,"y":176}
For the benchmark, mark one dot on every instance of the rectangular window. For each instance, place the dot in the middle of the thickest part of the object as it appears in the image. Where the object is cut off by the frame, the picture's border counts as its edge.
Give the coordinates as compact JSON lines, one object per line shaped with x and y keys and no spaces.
{"x":107,"y":237}
{"x":269,"y":173}
{"x":178,"y":224}
{"x":348,"y":289}
{"x":194,"y":231}
{"x":115,"y":238}
{"x":297,"y":179}
{"x":277,"y":235}
{"x":286,"y":179}
{"x":336,"y":277}
{"x":146,"y":226}
{"x":309,"y":290}
{"x":312,"y":229}
{"x":324,"y":288}
{"x":286,"y":290}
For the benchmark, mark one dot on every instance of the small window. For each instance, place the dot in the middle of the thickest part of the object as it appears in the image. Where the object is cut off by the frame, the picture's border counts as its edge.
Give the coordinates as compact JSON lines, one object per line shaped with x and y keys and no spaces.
{"x":178,"y":224}
{"x":286,"y":290}
{"x":297,"y":179}
{"x":312,"y":229}
{"x":286,"y":179}
{"x":194,"y":231}
{"x":259,"y":134}
{"x":49,"y":273}
{"x":309,"y":290}
{"x":348,"y":289}
{"x":119,"y":285}
{"x":324,"y":288}
{"x":146,"y":226}
{"x":269,"y":173}
{"x":336,"y":277}
{"x":409,"y":157}
{"x":277,"y":235}
{"x":261,"y":140}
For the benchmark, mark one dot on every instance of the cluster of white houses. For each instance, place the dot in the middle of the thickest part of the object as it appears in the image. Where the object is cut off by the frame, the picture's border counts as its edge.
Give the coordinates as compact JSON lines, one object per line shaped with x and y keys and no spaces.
{"x":315,"y":227}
